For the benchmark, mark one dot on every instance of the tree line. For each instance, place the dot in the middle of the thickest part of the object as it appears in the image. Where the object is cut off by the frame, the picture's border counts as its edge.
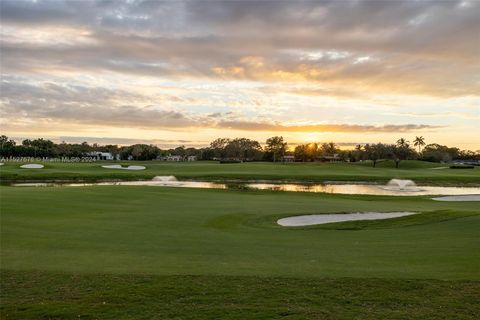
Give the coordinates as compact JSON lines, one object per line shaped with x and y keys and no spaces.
{"x":398,"y":151}
{"x":244,"y":149}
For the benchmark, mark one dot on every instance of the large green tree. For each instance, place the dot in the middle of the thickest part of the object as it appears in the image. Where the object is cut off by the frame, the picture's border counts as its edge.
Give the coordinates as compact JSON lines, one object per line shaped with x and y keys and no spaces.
{"x":219,"y":147}
{"x":7,"y":146}
{"x":243,"y":149}
{"x":401,"y":152}
{"x":376,"y":152}
{"x":275,"y":148}
{"x":329,"y":149}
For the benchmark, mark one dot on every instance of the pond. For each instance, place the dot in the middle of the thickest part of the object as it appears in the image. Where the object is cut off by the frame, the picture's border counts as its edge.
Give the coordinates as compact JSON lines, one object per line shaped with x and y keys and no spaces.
{"x":344,"y":188}
{"x":367,"y":189}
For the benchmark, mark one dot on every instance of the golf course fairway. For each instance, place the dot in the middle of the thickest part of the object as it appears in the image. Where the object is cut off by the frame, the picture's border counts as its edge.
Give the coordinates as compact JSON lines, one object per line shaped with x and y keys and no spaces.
{"x":114,"y":252}
{"x":420,"y":171}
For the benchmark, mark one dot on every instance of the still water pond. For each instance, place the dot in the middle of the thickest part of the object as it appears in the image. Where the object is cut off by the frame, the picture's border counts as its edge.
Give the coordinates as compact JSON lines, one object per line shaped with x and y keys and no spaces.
{"x":365,"y":189}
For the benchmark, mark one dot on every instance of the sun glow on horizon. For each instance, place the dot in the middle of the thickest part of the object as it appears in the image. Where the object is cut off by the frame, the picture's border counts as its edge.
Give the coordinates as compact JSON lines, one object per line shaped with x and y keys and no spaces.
{"x":123,"y":71}
{"x":312,"y":137}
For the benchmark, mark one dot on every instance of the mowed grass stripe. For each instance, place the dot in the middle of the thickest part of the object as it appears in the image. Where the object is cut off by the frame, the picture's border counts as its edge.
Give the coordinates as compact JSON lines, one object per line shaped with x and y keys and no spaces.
{"x":169,"y":231}
{"x":43,"y":295}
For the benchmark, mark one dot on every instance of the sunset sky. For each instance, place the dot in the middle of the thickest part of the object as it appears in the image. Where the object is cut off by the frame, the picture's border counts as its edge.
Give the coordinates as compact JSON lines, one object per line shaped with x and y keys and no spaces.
{"x":187,"y":72}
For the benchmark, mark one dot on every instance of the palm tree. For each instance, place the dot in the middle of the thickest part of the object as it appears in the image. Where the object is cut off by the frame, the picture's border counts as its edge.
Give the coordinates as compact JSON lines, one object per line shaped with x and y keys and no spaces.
{"x":419,"y":142}
{"x":402,"y":142}
{"x":358,"y":152}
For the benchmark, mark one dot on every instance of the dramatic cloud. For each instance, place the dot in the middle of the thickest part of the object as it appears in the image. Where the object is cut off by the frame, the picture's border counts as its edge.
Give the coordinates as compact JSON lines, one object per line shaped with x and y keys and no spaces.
{"x":406,"y":46}
{"x":256,"y":126}
{"x":122,"y":141}
{"x":50,"y":103}
{"x":256,"y":65}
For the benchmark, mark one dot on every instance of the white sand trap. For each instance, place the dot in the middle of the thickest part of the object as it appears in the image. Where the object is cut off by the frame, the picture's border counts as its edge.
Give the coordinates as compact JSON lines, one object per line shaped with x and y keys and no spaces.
{"x":439,"y":168}
{"x":467,"y":197}
{"x":113,"y":166}
{"x":117,"y":166}
{"x":164,"y":178}
{"x":135,"y":168}
{"x":313,"y":219}
{"x":1,"y":163}
{"x":32,"y":166}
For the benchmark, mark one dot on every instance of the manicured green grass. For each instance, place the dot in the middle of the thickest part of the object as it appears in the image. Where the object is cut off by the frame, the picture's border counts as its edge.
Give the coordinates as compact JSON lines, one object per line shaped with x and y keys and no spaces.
{"x":189,"y":231}
{"x":41,"y":295}
{"x":119,"y":252}
{"x":421,"y":172}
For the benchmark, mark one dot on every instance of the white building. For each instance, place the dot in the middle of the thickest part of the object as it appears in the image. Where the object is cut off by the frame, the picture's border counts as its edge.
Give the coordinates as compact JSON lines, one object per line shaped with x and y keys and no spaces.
{"x":102,"y":155}
{"x":175,"y":158}
{"x":171,"y":158}
{"x":288,"y":159}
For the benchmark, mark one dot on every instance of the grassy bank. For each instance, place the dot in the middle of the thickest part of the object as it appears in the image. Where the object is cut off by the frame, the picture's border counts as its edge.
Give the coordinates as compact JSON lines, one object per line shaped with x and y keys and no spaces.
{"x":119,"y":252}
{"x":421,"y":172}
{"x":224,"y":232}
{"x":42,"y":295}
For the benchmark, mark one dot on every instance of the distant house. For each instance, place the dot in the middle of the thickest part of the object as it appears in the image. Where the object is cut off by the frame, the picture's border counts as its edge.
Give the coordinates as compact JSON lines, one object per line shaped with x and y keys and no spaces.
{"x":192,"y":158}
{"x":288,"y":159}
{"x":175,"y":158}
{"x":102,"y":155}
{"x":334,"y":158}
{"x":170,"y":157}
{"x":467,"y":162}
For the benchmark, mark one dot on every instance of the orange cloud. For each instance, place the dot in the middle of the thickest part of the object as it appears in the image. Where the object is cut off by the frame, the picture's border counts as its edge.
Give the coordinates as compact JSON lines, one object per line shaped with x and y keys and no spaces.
{"x":259,"y":126}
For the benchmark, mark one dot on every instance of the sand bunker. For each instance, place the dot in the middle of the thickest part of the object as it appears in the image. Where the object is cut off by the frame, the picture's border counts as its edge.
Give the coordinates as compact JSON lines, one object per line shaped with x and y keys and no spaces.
{"x":32,"y":166}
{"x":164,"y":178}
{"x":113,"y":166}
{"x":135,"y":168}
{"x":467,"y":197}
{"x":314,"y":219}
{"x":117,"y":166}
{"x":1,"y":163}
